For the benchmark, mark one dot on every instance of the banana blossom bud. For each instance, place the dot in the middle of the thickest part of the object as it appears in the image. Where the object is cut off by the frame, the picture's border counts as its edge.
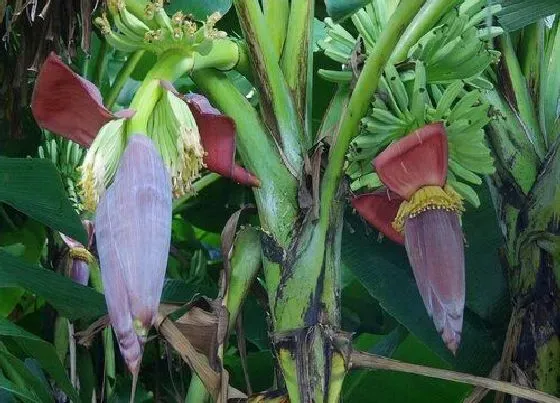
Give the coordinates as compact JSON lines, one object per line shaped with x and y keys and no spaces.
{"x":79,"y":255}
{"x":133,"y":225}
{"x":420,"y":210}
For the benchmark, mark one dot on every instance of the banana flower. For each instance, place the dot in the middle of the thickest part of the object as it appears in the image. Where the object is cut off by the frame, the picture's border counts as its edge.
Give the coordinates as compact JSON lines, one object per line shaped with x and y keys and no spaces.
{"x":420,"y":210}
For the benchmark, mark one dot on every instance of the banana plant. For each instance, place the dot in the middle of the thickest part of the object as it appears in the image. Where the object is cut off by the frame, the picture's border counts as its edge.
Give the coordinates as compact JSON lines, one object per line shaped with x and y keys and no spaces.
{"x":524,"y":139}
{"x":431,"y":100}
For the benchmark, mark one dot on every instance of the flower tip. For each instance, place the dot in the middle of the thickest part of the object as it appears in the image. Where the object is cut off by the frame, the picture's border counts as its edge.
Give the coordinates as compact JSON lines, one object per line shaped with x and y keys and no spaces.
{"x":453,"y":344}
{"x":133,"y":365}
{"x":244,"y":177}
{"x":125,"y":113}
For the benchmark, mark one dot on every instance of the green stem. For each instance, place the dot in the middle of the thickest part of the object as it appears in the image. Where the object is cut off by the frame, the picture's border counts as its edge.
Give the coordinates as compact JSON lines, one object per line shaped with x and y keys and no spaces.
{"x":359,"y":101}
{"x":225,"y":55}
{"x":101,"y":64}
{"x":297,"y":59}
{"x":276,"y":197}
{"x":276,"y":14}
{"x":531,"y":56}
{"x":520,"y":98}
{"x":550,"y":85}
{"x":430,"y":13}
{"x":197,"y":392}
{"x":122,"y":77}
{"x":169,"y":67}
{"x":277,"y":106}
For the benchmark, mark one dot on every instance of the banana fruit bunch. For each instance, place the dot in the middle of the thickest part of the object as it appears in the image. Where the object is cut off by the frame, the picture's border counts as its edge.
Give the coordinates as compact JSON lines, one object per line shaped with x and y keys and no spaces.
{"x":144,"y":24}
{"x":339,"y":44}
{"x":457,"y":48}
{"x":67,"y":157}
{"x":406,"y":101}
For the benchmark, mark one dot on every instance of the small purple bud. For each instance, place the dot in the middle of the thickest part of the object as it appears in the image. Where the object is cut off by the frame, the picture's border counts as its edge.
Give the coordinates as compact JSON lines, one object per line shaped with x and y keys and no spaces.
{"x":80,"y":257}
{"x":434,"y":243}
{"x":79,"y":272}
{"x":133,"y":225}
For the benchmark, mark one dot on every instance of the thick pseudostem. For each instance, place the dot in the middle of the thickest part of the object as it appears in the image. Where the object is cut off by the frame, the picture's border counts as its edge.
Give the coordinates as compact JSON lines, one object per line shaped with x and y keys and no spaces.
{"x":526,"y":192}
{"x":301,"y":272}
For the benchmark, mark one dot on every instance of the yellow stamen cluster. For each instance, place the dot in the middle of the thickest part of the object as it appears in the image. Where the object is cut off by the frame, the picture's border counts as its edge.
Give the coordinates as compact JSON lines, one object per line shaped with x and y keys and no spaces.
{"x":428,"y":198}
{"x":191,"y":154}
{"x":89,"y":191}
{"x":178,"y":18}
{"x":103,"y":24}
{"x":158,"y":4}
{"x":190,"y":27}
{"x":150,"y":10}
{"x":211,"y":31}
{"x":153,"y":36}
{"x":82,"y":254}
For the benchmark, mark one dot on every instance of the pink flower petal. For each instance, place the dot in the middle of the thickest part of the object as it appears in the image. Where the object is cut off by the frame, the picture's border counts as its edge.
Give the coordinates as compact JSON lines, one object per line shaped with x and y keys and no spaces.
{"x":66,"y":104}
{"x":217,"y":133}
{"x":417,"y":160}
{"x":434,"y":243}
{"x":72,"y":243}
{"x":133,"y":225}
{"x":380,"y":209}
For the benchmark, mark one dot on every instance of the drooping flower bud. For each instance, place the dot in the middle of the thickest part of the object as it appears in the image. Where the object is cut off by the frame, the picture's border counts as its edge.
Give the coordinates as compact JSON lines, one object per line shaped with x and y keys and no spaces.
{"x":79,"y":255}
{"x":101,"y":162}
{"x":434,"y":244}
{"x":426,"y":211}
{"x":173,"y":128}
{"x":133,"y":225}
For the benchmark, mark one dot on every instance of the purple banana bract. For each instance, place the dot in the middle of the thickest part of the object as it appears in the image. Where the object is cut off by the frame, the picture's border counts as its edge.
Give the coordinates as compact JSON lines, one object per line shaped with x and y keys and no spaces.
{"x":133,"y":225}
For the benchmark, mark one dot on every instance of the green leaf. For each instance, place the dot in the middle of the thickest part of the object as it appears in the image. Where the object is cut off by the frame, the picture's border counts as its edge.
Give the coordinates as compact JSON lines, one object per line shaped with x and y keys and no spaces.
{"x":123,"y":387}
{"x":70,"y":299}
{"x":26,"y":242}
{"x":389,"y":387}
{"x":199,"y":9}
{"x":516,"y":14}
{"x":10,"y":389}
{"x":181,"y":292}
{"x":86,"y":374}
{"x":383,"y":269}
{"x":33,"y":186}
{"x":260,"y":366}
{"x":15,"y":369}
{"x":340,"y":9}
{"x":245,"y":262}
{"x":43,"y":352}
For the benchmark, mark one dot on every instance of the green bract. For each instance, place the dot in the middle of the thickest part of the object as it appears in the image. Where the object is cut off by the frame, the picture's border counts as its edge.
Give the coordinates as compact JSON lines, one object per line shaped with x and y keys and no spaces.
{"x":101,"y":162}
{"x":174,"y":131}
